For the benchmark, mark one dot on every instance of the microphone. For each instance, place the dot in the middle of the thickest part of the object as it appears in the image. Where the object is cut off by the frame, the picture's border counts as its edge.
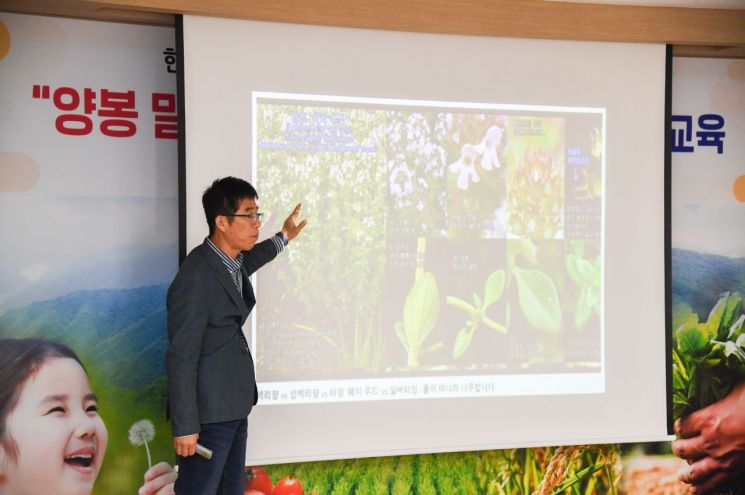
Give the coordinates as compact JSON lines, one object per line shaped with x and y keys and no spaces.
{"x":204,"y":451}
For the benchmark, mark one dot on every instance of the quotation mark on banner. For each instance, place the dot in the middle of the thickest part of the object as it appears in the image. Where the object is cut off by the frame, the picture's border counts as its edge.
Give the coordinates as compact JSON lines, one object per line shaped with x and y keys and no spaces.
{"x":41,"y":92}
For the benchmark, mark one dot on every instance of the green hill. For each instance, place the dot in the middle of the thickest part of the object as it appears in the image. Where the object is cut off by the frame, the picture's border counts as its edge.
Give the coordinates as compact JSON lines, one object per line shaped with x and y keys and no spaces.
{"x":119,"y":333}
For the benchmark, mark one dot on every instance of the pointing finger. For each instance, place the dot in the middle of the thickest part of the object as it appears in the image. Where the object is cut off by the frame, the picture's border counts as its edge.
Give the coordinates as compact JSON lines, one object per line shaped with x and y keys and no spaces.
{"x":296,"y":211}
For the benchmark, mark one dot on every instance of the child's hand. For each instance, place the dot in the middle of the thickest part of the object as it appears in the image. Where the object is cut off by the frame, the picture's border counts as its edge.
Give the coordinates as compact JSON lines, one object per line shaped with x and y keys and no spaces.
{"x":159,"y":480}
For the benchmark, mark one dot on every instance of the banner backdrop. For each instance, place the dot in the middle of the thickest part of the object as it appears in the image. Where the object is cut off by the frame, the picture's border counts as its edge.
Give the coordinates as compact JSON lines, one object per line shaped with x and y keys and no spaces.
{"x":89,"y":214}
{"x":708,"y":263}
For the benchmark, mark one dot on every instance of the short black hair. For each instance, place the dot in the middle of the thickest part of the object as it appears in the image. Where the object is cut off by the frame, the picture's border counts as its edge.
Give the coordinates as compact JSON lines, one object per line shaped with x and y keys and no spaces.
{"x":223,"y":198}
{"x":21,"y":359}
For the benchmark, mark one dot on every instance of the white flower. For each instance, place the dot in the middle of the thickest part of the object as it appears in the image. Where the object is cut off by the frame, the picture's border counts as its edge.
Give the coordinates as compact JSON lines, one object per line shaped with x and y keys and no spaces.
{"x":401,"y":180}
{"x":466,"y":166}
{"x":488,"y":147}
{"x":141,"y":432}
{"x":442,"y":125}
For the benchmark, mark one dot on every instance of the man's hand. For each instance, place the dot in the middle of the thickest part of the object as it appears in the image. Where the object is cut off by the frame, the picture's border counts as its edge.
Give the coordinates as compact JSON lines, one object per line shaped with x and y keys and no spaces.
{"x":159,"y":480}
{"x":186,"y":446}
{"x":291,"y":228}
{"x":712,"y":440}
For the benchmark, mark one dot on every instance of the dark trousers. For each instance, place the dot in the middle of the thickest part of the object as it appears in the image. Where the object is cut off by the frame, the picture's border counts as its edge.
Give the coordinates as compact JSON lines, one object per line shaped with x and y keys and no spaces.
{"x":221,"y":475}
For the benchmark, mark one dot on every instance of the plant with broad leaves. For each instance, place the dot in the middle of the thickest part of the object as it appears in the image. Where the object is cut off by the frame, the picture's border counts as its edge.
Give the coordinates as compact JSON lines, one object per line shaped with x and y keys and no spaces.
{"x":586,"y":275}
{"x":708,"y":357}
{"x":493,"y":289}
{"x":537,"y":294}
{"x":537,"y":297}
{"x":421,"y":308}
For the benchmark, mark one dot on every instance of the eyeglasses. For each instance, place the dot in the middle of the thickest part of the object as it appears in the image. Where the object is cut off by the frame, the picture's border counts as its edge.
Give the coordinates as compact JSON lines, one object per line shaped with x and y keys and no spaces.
{"x":250,"y":216}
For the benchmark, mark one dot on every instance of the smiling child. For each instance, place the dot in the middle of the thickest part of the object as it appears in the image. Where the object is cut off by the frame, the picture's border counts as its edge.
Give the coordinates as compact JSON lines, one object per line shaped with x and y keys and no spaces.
{"x":52,"y":440}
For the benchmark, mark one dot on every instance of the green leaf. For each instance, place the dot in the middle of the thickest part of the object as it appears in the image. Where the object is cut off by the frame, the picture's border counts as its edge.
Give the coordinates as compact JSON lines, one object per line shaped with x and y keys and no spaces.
{"x":583,"y":311}
{"x":713,"y":323}
{"x":476,"y":300}
{"x":682,"y":314}
{"x":679,"y":365}
{"x":732,"y":309}
{"x":587,"y":272}
{"x":573,"y":270}
{"x":735,"y":330}
{"x":524,"y":247}
{"x":593,"y":296}
{"x":678,"y":383}
{"x":462,"y":342}
{"x":399,"y":326}
{"x":421,"y":309}
{"x":494,"y":288}
{"x":693,"y":339}
{"x":538,"y":299}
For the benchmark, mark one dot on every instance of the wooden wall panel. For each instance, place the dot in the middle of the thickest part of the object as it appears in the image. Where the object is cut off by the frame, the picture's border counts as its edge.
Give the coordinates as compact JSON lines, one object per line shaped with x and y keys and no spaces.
{"x":695,"y":32}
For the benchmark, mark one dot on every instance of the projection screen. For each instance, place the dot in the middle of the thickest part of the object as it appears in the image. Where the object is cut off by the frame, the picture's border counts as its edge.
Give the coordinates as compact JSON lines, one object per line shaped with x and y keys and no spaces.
{"x":483,"y":265}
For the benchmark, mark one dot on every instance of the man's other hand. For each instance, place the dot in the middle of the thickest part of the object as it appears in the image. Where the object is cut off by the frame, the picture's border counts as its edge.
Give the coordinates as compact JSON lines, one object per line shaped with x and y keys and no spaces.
{"x":186,"y":446}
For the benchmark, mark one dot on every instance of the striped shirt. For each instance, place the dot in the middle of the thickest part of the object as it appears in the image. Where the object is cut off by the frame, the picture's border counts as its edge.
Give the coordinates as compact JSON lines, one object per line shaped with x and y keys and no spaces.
{"x":234,"y":265}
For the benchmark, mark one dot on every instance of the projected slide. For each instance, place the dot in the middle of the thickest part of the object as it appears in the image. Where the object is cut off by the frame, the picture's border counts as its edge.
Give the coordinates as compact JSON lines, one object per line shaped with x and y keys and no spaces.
{"x":452,"y":250}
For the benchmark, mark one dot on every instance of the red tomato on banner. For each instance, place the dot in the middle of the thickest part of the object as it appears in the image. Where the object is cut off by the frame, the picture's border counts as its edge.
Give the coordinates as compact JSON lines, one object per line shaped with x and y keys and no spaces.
{"x":257,"y":480}
{"x":288,"y":486}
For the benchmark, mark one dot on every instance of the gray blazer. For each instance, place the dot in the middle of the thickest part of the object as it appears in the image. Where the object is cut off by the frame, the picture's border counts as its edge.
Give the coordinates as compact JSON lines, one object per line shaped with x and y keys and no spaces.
{"x":210,"y":369}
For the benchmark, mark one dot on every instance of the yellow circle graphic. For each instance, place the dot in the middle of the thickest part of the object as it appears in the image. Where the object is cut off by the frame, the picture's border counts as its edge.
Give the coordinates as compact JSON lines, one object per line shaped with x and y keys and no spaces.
{"x":4,"y":40}
{"x":738,"y":189}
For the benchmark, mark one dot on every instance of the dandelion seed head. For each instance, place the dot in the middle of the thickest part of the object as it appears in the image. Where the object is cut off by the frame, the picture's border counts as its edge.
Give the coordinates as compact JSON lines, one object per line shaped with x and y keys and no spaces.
{"x":140,"y":432}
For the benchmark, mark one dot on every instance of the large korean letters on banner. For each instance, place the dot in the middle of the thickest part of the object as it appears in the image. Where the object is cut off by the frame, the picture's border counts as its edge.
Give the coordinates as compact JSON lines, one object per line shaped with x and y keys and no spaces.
{"x":88,"y":214}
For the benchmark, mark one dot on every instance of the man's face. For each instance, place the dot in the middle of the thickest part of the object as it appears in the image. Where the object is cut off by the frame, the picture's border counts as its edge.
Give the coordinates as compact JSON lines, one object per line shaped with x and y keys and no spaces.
{"x":241,"y":233}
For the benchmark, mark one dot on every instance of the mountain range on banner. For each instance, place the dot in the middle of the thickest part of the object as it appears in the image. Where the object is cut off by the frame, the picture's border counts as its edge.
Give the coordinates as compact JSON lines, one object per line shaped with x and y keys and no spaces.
{"x":700,"y":278}
{"x":57,"y":274}
{"x":119,"y":332}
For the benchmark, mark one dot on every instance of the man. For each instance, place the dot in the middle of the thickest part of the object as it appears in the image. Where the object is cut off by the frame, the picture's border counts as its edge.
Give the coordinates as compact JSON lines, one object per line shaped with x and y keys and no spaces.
{"x":211,"y":382}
